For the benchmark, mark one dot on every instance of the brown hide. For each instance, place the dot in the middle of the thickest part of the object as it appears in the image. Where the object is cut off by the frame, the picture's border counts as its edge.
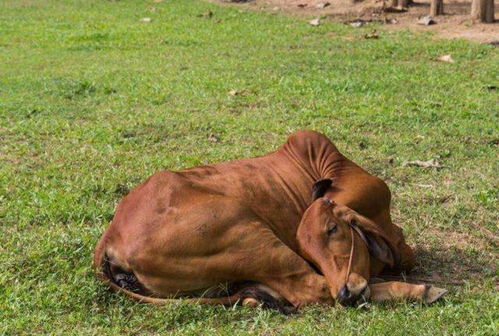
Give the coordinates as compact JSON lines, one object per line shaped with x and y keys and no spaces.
{"x":180,"y":233}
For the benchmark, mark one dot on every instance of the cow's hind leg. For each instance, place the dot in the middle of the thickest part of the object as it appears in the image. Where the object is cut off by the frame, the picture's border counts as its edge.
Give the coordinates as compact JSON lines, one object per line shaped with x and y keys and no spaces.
{"x":264,"y":297}
{"x":249,"y":294}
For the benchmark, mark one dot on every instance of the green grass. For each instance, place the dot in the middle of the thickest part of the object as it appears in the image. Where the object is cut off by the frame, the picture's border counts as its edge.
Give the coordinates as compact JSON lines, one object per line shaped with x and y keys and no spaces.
{"x":92,"y":102}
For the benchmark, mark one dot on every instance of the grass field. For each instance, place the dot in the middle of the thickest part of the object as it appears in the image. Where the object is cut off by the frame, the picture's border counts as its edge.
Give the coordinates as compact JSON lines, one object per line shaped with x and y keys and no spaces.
{"x":93,"y":101}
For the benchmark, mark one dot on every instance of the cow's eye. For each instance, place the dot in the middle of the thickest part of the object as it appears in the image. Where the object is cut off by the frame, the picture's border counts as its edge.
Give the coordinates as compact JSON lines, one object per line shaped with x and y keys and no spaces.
{"x":332,"y":229}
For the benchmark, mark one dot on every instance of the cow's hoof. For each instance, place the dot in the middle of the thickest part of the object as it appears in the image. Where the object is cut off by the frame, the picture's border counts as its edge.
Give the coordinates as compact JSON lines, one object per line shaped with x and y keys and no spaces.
{"x":433,"y":293}
{"x":251,"y":302}
{"x":366,"y":293}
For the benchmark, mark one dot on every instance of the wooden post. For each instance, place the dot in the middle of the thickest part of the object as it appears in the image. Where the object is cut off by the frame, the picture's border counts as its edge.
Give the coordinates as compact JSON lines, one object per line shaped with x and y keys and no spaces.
{"x":482,"y":10}
{"x":436,"y":7}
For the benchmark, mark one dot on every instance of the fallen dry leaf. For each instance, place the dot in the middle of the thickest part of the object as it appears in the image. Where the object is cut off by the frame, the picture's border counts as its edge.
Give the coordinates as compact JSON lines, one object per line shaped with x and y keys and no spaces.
{"x":145,"y":20}
{"x":213,"y":138}
{"x":357,"y":24}
{"x":423,"y":164}
{"x":371,"y":35}
{"x":242,"y":92}
{"x":446,"y":58}
{"x":206,"y":15}
{"x":426,"y":21}
{"x":315,"y":22}
{"x":390,"y":21}
{"x":425,"y":185}
{"x":322,"y":5}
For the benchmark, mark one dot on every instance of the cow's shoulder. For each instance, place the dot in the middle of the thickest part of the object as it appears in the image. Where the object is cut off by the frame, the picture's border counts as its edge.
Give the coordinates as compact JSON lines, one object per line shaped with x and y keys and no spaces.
{"x":157,"y":183}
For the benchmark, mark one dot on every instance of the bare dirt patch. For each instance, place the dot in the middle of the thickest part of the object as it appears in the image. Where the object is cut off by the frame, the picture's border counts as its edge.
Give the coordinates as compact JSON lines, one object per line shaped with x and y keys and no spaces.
{"x":455,"y":23}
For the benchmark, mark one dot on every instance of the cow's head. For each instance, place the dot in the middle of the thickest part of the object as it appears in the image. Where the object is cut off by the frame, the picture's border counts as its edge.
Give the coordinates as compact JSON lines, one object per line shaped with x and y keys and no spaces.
{"x":325,"y":237}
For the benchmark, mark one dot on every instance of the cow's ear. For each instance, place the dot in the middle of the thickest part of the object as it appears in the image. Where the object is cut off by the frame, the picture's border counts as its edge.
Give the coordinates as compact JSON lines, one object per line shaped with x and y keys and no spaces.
{"x":377,"y":242}
{"x":379,"y":249}
{"x":320,"y":187}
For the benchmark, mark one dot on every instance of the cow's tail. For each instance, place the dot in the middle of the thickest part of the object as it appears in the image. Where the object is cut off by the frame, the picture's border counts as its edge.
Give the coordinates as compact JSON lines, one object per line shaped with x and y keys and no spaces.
{"x":126,"y":282}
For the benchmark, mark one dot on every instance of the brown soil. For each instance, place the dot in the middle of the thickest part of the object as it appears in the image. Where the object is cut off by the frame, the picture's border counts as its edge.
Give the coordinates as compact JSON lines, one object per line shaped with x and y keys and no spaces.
{"x":456,"y":22}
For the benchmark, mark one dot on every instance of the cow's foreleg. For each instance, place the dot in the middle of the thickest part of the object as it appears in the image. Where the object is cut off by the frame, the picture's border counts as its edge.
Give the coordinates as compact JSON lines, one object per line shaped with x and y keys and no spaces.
{"x":293,"y":278}
{"x":267,"y":260}
{"x":393,"y":290}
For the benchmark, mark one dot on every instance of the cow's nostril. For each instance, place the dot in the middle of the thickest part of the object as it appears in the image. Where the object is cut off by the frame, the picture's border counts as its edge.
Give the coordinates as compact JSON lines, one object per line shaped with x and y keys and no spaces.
{"x":344,"y":294}
{"x":347,"y":298}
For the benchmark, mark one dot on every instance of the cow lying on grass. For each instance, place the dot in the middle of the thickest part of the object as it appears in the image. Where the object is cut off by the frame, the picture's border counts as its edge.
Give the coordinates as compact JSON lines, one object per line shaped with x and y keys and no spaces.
{"x":249,"y":232}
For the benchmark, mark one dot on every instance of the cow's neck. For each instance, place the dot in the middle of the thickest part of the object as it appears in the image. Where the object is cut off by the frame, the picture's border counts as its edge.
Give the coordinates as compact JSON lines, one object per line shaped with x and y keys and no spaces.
{"x":298,"y":164}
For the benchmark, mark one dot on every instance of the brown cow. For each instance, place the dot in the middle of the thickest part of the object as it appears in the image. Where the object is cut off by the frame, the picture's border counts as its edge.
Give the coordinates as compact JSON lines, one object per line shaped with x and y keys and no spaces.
{"x":249,"y":231}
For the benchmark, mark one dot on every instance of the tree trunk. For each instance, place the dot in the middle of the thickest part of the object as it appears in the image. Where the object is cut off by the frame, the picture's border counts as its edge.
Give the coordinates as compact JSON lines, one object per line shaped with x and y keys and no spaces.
{"x":489,"y":12}
{"x":482,"y":10}
{"x":437,"y":7}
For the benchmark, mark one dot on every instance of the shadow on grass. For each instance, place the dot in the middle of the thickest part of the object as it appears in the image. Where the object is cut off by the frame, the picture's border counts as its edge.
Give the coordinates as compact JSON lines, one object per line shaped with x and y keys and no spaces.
{"x":451,"y":265}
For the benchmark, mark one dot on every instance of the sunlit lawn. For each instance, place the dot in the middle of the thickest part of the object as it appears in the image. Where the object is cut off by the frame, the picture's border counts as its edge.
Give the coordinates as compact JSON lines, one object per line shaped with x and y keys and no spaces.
{"x":93,"y":101}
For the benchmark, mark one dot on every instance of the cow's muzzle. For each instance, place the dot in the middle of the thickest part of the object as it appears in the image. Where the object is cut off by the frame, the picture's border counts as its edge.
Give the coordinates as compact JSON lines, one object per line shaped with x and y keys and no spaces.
{"x":348,"y":296}
{"x":354,"y":292}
